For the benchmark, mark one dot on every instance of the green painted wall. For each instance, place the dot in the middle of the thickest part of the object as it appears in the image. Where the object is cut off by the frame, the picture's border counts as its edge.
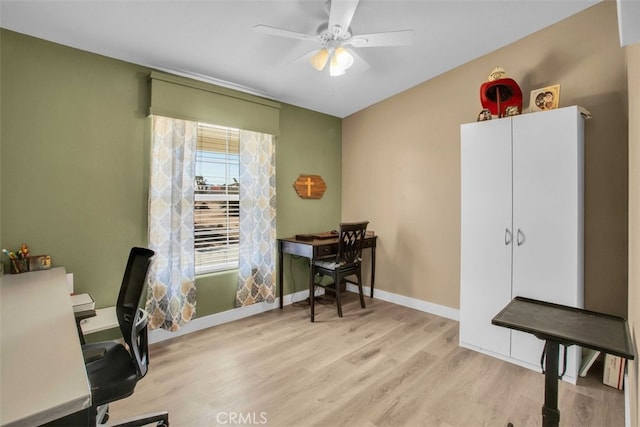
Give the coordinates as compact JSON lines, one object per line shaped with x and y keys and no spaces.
{"x":74,"y":162}
{"x":75,"y":144}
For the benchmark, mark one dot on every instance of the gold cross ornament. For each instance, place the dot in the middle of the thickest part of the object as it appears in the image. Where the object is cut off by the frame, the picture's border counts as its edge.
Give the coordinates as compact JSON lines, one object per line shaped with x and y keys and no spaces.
{"x":310,"y":186}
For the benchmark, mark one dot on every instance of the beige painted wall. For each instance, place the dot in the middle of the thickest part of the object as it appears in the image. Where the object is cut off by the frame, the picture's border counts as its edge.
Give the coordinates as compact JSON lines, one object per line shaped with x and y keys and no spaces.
{"x":402,"y":160}
{"x":633,"y":64}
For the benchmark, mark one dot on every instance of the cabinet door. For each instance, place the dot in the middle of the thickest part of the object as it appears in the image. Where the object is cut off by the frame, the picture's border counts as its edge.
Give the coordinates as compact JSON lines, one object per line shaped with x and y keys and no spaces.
{"x":485,"y":274}
{"x":547,"y":214}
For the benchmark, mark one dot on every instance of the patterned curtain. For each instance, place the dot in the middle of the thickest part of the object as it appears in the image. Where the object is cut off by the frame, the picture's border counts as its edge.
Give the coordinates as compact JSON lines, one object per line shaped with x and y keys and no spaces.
{"x":256,"y":274}
{"x":171,"y":299}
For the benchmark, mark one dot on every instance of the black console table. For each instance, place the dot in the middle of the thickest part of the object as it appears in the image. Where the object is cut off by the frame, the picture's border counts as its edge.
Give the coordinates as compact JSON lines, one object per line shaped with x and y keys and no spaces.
{"x":558,"y":324}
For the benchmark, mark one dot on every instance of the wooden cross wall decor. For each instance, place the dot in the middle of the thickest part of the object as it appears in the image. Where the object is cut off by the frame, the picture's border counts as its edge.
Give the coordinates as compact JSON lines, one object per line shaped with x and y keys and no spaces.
{"x":310,"y":186}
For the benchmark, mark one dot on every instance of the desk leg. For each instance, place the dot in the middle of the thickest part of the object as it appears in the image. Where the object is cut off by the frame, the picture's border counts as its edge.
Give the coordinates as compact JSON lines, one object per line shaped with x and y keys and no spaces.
{"x":373,"y":268}
{"x":312,"y":289}
{"x":550,"y":412}
{"x":280,"y":274}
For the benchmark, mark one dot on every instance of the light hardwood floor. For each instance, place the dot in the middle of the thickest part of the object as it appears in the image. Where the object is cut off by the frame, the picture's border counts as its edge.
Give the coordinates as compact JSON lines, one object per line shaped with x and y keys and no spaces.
{"x":386,"y":365}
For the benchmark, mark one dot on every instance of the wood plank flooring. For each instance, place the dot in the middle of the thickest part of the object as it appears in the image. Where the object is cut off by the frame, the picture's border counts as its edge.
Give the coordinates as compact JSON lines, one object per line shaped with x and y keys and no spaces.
{"x":386,"y":365}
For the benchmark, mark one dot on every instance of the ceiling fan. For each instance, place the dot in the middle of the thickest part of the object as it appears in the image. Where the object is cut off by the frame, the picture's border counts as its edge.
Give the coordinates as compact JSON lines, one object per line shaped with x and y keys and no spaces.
{"x":336,"y":39}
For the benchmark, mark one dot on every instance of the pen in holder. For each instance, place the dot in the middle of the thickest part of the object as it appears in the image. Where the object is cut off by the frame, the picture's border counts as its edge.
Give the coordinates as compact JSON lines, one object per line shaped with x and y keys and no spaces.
{"x":18,"y":262}
{"x":19,"y":265}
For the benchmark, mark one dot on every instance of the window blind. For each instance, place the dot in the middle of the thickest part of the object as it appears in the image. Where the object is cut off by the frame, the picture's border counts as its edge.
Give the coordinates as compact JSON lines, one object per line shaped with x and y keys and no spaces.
{"x":217,"y":199}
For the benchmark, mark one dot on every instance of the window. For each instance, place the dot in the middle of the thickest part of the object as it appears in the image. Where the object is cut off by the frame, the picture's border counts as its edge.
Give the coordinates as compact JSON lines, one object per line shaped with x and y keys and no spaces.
{"x":217,"y":199}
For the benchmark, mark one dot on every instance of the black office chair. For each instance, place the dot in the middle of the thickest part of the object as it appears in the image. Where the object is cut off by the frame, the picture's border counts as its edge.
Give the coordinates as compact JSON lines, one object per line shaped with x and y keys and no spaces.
{"x":114,"y":369}
{"x":348,"y":262}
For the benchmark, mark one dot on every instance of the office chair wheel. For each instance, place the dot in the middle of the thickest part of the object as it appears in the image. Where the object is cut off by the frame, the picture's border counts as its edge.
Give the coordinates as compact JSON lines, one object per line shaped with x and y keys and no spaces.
{"x":104,"y":420}
{"x":102,"y":415}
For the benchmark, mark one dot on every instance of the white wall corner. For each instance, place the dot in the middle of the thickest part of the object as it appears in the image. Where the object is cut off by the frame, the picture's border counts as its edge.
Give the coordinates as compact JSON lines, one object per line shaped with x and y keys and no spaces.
{"x":629,"y":21}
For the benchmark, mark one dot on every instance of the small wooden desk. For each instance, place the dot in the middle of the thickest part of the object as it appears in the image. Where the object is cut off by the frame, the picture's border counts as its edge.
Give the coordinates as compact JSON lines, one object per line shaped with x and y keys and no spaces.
{"x":43,"y":373}
{"x":558,"y":324}
{"x":318,"y":249}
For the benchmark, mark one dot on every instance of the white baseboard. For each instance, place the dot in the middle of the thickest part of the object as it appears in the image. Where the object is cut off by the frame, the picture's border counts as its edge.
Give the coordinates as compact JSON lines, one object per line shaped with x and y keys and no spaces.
{"x":627,"y":399}
{"x":200,"y":323}
{"x":416,"y":304}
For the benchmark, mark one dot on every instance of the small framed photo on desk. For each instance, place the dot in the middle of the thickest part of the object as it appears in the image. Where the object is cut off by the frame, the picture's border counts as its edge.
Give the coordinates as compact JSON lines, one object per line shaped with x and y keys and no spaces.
{"x":39,"y":262}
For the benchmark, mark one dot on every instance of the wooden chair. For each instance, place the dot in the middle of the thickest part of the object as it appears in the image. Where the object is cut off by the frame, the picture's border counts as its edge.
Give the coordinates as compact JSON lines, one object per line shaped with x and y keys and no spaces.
{"x":348,"y":262}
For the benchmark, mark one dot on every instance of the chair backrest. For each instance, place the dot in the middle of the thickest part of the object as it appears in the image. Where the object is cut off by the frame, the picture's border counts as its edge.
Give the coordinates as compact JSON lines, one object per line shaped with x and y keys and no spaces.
{"x":133,"y":320}
{"x":350,"y":241}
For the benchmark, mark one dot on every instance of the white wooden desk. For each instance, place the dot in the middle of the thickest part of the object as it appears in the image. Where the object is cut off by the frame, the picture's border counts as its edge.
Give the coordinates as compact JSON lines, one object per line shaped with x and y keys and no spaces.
{"x":42,"y":371}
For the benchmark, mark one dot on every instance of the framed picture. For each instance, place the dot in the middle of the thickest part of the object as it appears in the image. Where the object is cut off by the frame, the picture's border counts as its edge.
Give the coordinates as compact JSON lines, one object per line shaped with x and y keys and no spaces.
{"x":546,"y":98}
{"x":39,"y":262}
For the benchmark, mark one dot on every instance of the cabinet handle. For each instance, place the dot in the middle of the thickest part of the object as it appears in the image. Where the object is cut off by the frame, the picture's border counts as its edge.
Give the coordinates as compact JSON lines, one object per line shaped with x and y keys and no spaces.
{"x":520,"y":237}
{"x":507,"y":237}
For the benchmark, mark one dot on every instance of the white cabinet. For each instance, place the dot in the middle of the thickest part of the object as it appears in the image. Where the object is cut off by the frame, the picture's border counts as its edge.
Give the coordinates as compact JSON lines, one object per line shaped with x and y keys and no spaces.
{"x":522,"y":226}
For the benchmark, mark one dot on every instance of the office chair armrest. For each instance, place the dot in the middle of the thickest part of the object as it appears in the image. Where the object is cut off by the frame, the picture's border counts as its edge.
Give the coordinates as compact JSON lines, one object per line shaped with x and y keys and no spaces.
{"x":80,"y":316}
{"x":93,"y":354}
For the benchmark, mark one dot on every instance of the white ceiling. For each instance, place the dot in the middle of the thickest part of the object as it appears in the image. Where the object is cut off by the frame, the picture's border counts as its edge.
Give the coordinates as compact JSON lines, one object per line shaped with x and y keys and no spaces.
{"x":214,"y":40}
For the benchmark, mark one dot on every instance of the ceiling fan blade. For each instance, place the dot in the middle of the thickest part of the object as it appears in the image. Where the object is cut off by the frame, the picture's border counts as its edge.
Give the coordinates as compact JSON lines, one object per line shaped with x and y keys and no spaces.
{"x":341,"y":14}
{"x":359,"y":64}
{"x":392,"y":38}
{"x":306,"y":58}
{"x":280,"y":32}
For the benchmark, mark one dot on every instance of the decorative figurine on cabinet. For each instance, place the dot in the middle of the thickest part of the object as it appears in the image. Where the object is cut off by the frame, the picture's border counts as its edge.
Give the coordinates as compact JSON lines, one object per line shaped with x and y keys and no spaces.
{"x":511,"y":110}
{"x":500,"y":93}
{"x":484,"y":115}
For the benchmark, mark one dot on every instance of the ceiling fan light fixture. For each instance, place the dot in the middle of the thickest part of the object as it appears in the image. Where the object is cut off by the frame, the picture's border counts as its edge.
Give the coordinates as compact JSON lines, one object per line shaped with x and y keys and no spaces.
{"x":335,"y":69}
{"x":319,"y":59}
{"x":333,"y":35}
{"x":343,"y":58}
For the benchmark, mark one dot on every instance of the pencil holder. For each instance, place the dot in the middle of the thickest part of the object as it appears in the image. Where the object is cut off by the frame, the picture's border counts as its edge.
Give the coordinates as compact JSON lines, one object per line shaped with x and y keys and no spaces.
{"x":17,"y":266}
